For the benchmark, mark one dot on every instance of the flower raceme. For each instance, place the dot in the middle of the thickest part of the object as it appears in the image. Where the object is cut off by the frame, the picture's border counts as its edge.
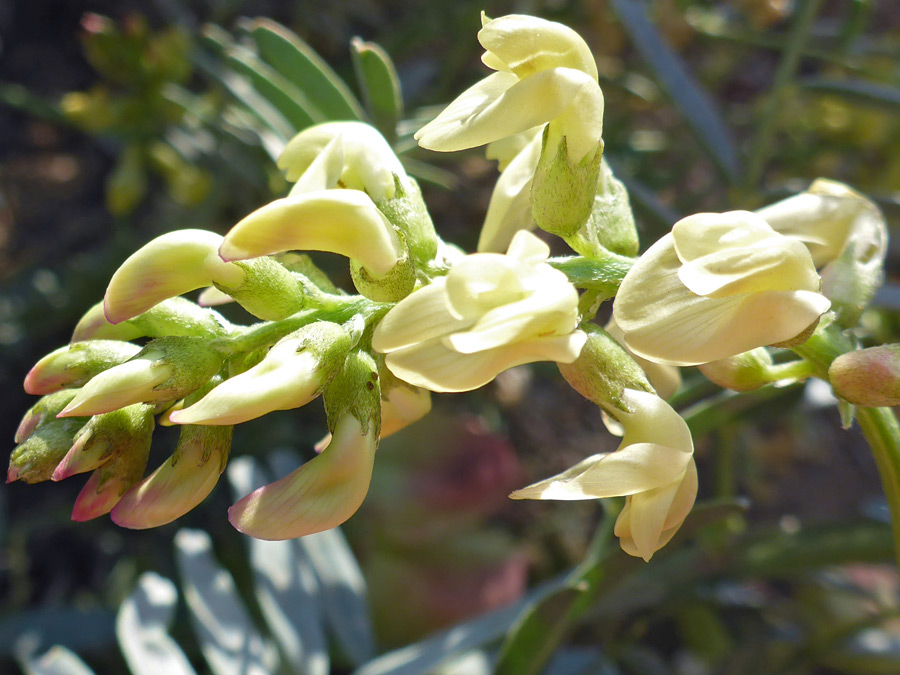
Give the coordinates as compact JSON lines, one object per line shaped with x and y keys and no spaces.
{"x":491,"y":312}
{"x":545,"y":73}
{"x":653,"y":468}
{"x":719,"y":284}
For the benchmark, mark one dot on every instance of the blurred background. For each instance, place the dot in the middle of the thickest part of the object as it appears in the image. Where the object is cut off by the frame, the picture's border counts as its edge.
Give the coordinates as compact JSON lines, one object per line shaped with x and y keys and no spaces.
{"x":123,"y":120}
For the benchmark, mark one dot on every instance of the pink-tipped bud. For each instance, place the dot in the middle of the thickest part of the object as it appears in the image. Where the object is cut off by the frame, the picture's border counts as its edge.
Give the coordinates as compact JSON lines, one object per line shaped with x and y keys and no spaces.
{"x":868,"y":377}
{"x":109,"y":483}
{"x":165,"y":370}
{"x":180,"y":483}
{"x":293,"y":373}
{"x":320,"y":495}
{"x":175,"y":316}
{"x":34,"y":460}
{"x":75,"y":364}
{"x":106,"y":436}
{"x":401,"y":406}
{"x":43,"y":411}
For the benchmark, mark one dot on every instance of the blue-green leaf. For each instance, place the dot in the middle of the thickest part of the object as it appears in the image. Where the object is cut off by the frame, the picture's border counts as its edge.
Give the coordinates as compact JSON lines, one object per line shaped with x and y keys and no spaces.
{"x":286,"y":586}
{"x":685,"y":92}
{"x":228,"y":639}
{"x":301,"y":65}
{"x":342,"y":586}
{"x":859,"y":91}
{"x":379,"y":84}
{"x":141,"y":628}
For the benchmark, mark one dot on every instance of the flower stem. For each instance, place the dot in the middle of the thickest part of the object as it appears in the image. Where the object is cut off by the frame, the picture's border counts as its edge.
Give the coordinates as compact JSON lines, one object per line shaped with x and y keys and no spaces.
{"x":879,"y":425}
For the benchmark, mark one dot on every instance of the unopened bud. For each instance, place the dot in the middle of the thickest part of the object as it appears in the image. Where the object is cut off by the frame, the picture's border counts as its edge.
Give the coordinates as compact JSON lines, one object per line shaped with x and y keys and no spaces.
{"x":562,"y":194}
{"x":292,"y":374}
{"x":868,"y":377}
{"x":741,"y":372}
{"x":75,"y":364}
{"x":180,"y":483}
{"x":603,"y":371}
{"x":408,"y":213}
{"x":610,"y":226}
{"x":34,"y":460}
{"x":43,"y":411}
{"x":105,"y":436}
{"x":166,"y":369}
{"x":109,"y":483}
{"x":175,"y":316}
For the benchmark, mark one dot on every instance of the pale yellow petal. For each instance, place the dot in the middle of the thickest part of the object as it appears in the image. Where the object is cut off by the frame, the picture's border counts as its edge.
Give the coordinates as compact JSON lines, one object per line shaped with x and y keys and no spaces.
{"x":170,"y":265}
{"x":527,"y":44}
{"x":320,"y":495}
{"x":510,"y":207}
{"x":433,"y":366}
{"x":340,"y":221}
{"x":419,"y":317}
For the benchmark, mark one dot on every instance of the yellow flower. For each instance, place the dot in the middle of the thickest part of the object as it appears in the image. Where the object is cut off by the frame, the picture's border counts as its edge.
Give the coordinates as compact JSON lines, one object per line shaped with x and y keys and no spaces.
{"x":545,"y":73}
{"x":719,"y":284}
{"x":351,"y":155}
{"x":653,"y":468}
{"x":490,"y":313}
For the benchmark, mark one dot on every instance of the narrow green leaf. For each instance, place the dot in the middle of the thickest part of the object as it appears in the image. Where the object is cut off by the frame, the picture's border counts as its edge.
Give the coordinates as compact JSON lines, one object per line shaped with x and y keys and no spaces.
{"x":379,"y":84}
{"x":142,"y":629}
{"x":687,"y":95}
{"x":301,"y":65}
{"x":859,"y":91}
{"x":18,"y":97}
{"x":230,"y":643}
{"x":281,"y":93}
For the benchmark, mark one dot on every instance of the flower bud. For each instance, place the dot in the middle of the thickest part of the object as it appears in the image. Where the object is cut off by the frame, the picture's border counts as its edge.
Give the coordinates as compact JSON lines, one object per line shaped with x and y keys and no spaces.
{"x":868,"y":377}
{"x":293,"y":373}
{"x":401,"y":406}
{"x":406,"y":210}
{"x":328,"y":489}
{"x":741,"y":372}
{"x":34,"y":460}
{"x":392,"y":287}
{"x":346,"y":222}
{"x":603,"y":371}
{"x":43,"y":411}
{"x":610,"y":226}
{"x":174,"y":316}
{"x":180,"y":483}
{"x":166,"y":369}
{"x":653,"y":469}
{"x":110,"y":482}
{"x":184,"y":260}
{"x":846,"y":234}
{"x":562,"y":192}
{"x":106,"y":436}
{"x":73,"y":365}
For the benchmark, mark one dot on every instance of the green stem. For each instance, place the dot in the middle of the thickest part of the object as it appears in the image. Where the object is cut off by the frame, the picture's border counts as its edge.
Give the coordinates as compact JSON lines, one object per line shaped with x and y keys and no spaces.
{"x":265,"y":334}
{"x":787,"y":67}
{"x":792,"y":370}
{"x":602,"y":276}
{"x":879,"y":425}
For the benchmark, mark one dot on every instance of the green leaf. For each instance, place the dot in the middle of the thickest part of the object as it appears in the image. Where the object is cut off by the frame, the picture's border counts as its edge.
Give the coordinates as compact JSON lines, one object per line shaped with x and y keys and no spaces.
{"x":687,"y":95}
{"x":859,"y":91}
{"x":18,"y":97}
{"x":379,"y":84}
{"x":280,"y":92}
{"x":301,"y":65}
{"x":141,"y":628}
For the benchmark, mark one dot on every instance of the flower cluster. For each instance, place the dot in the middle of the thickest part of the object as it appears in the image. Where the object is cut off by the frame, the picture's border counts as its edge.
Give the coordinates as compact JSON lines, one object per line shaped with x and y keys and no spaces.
{"x":428,"y":318}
